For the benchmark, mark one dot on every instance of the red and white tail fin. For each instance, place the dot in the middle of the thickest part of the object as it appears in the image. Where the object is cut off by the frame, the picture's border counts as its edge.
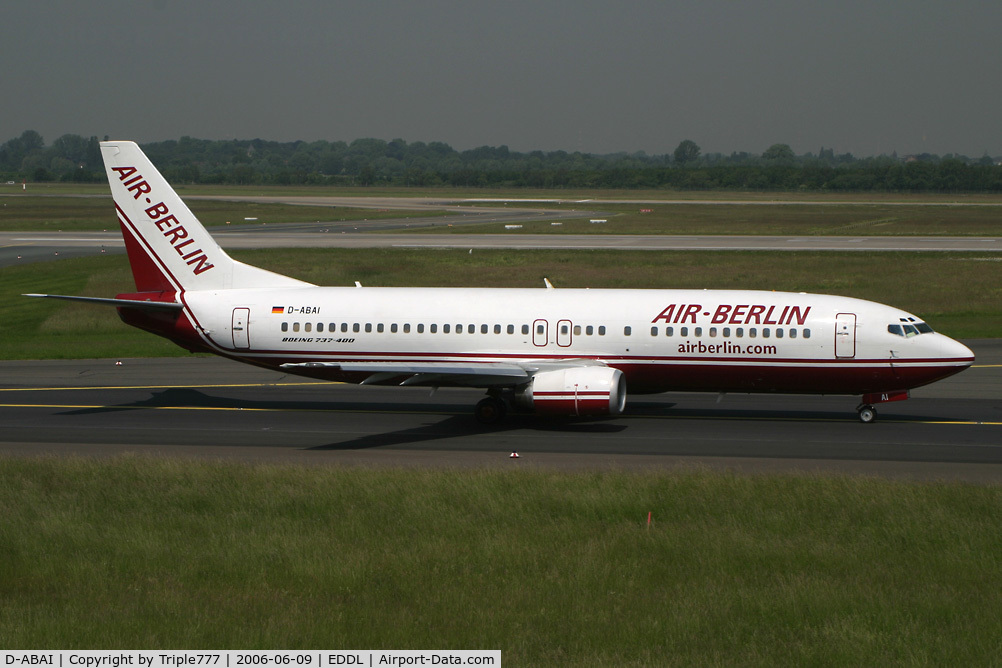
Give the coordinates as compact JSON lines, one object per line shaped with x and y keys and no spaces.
{"x":169,"y":249}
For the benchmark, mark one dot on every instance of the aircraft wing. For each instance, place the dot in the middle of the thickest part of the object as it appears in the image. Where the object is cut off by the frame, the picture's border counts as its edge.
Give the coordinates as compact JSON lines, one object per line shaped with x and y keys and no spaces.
{"x":466,"y":374}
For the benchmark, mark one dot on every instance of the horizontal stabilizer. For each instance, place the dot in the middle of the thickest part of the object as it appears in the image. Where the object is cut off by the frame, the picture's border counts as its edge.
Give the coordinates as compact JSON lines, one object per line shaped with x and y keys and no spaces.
{"x":120,"y":303}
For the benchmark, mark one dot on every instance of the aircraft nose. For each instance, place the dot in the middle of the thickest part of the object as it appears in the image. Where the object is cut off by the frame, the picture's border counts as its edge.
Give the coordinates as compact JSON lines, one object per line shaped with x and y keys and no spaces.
{"x":955,"y":350}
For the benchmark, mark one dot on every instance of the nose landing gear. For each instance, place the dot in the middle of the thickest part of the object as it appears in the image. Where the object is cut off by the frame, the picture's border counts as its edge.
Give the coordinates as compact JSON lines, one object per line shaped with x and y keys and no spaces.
{"x":867,"y":413}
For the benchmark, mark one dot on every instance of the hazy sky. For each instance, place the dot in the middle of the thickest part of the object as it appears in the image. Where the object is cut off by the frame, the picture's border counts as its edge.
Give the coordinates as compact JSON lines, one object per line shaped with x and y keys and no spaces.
{"x":866,"y":77}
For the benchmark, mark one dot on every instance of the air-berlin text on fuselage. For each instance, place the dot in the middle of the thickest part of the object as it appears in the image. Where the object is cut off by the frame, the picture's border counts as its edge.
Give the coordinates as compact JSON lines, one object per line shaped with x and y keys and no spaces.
{"x":735,"y":314}
{"x":165,"y":221}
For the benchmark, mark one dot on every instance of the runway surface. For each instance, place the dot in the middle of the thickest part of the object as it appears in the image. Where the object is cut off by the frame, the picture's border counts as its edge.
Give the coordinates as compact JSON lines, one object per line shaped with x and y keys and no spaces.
{"x":24,"y":247}
{"x":209,"y":407}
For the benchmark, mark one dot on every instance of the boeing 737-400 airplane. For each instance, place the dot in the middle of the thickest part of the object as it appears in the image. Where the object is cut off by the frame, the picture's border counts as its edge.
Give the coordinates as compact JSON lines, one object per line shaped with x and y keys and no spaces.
{"x":551,"y":351}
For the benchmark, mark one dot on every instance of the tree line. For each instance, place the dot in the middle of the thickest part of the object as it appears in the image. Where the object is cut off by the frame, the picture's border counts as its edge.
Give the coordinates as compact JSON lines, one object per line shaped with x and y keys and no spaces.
{"x":369,"y":162}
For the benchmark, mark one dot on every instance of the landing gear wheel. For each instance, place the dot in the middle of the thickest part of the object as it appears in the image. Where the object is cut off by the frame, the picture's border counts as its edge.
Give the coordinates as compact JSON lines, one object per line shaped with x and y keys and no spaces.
{"x":867,"y":414}
{"x":490,"y":410}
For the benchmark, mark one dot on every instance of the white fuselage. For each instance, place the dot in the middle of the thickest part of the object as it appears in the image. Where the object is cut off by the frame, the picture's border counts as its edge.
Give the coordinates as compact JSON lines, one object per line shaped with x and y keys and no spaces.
{"x":711,"y":340}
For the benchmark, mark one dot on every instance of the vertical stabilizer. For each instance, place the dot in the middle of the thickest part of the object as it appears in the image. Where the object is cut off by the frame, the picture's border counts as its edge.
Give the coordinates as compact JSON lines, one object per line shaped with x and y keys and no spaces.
{"x":168,"y":247}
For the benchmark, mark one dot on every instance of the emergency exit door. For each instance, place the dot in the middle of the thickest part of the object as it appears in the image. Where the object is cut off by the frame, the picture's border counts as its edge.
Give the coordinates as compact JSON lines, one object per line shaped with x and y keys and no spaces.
{"x":845,"y":335}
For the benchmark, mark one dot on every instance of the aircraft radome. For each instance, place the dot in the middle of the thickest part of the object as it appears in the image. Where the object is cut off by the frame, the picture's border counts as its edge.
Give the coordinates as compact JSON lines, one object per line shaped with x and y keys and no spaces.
{"x":549,"y":351}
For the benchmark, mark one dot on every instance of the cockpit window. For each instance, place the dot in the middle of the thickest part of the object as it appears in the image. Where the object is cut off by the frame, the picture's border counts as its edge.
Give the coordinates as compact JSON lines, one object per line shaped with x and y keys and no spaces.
{"x":909,"y":327}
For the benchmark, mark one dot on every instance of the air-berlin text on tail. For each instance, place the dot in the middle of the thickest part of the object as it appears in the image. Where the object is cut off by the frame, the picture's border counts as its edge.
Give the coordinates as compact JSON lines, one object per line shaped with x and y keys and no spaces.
{"x":734,"y":314}
{"x":165,"y":221}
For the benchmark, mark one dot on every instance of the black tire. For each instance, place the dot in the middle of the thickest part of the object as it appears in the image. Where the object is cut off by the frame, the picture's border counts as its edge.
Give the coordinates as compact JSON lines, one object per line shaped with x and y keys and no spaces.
{"x":490,"y":410}
{"x":867,"y":414}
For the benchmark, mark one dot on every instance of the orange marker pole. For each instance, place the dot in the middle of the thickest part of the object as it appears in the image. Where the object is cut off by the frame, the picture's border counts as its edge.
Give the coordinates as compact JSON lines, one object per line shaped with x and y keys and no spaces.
{"x":648,"y":519}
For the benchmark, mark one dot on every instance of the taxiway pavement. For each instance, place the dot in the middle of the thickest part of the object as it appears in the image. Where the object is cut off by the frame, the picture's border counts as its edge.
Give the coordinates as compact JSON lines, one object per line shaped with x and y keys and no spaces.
{"x":208,"y":407}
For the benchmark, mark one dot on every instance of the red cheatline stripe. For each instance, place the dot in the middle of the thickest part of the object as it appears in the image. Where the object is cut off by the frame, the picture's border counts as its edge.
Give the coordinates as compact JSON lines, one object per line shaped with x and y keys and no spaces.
{"x":403,"y":357}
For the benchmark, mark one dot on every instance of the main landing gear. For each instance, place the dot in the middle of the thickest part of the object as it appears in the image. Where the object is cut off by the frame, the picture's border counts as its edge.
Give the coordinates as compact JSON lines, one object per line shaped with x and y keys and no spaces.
{"x":490,"y":410}
{"x":867,"y":413}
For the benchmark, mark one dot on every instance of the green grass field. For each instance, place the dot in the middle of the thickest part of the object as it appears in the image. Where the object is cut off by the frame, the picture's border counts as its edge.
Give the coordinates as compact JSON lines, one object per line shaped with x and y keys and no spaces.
{"x":958,"y":294}
{"x":550,"y":568}
{"x":762,"y":219}
{"x":964,"y":218}
{"x":98,"y":213}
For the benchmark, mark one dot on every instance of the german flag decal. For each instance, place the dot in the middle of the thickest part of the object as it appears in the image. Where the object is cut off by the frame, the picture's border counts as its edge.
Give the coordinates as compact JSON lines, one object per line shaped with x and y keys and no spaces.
{"x":277,"y":309}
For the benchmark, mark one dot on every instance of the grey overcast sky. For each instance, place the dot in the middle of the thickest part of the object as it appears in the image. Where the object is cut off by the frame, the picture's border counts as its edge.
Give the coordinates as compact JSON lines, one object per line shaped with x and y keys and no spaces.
{"x":866,"y":77}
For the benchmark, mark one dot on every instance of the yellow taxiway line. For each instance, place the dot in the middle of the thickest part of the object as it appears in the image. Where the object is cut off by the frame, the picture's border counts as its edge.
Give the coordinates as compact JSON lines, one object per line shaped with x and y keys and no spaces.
{"x":432,"y":412}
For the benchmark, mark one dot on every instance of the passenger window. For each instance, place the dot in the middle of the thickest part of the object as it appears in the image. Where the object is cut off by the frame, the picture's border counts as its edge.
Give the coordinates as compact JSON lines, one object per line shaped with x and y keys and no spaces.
{"x":589,"y":330}
{"x":511,"y":329}
{"x":393,"y":328}
{"x":713,"y":332}
{"x":540,"y":329}
{"x":320,"y":326}
{"x":368,"y":327}
{"x":699,"y":331}
{"x":379,"y":328}
{"x":445,"y":329}
{"x":472,"y":329}
{"x":752,"y":332}
{"x":654,"y":331}
{"x":344,"y":327}
{"x":669,"y":331}
{"x":684,"y":331}
{"x":627,"y":330}
{"x":779,"y":333}
{"x":459,"y":329}
{"x":420,"y":329}
{"x":295,"y":326}
{"x":308,"y":327}
{"x":497,"y":329}
{"x":407,"y":328}
{"x":765,"y":332}
{"x":433,"y":328}
{"x":525,"y":329}
{"x":285,"y":326}
{"x":356,"y":328}
{"x":577,"y":330}
{"x":740,"y":331}
{"x":332,"y":327}
{"x":793,"y":333}
{"x":564,"y":329}
{"x":807,"y":333}
{"x":483,"y":329}
{"x":601,"y":330}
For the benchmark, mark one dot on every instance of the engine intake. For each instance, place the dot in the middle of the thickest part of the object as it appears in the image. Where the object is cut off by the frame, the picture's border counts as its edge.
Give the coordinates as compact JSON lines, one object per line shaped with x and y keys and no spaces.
{"x":589,"y":390}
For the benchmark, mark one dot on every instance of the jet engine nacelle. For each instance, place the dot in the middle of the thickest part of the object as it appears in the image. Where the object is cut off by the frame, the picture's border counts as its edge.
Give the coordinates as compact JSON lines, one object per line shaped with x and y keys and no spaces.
{"x":587,"y":390}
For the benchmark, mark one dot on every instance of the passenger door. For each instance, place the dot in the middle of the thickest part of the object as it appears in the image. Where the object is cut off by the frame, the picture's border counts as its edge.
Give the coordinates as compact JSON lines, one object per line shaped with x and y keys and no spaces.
{"x":241,"y":337}
{"x":845,"y":335}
